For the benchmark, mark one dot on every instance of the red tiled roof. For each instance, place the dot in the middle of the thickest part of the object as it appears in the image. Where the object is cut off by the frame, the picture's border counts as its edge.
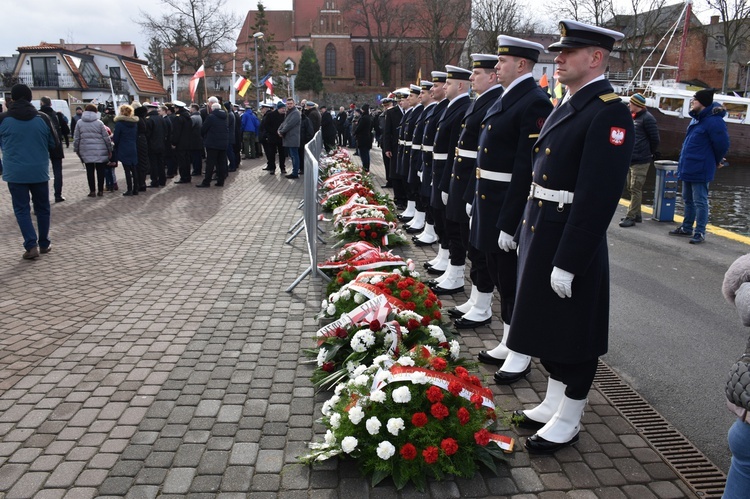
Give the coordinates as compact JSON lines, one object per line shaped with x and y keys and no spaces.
{"x":145,"y":85}
{"x":125,"y":49}
{"x":41,"y":46}
{"x":79,"y":77}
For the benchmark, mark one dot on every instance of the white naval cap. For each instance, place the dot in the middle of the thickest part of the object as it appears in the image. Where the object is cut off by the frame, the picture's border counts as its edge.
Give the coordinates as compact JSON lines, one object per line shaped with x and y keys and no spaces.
{"x":574,"y":34}
{"x":426,"y":85}
{"x":439,"y":76}
{"x":509,"y":45}
{"x":457,"y":73}
{"x":486,"y":61}
{"x":415,"y":89}
{"x":401,"y":92}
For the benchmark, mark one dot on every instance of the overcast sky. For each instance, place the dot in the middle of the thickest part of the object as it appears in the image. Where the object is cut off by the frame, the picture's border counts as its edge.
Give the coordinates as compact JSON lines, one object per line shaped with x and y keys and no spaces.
{"x":87,"y":22}
{"x":84,"y":21}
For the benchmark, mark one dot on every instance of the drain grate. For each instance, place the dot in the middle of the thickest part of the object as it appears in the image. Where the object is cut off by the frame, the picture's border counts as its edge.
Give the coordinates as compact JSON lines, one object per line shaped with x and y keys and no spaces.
{"x":700,"y":474}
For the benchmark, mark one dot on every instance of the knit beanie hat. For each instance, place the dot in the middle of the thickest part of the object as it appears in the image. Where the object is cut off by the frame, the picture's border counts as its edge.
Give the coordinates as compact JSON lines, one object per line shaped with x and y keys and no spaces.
{"x":705,"y":96}
{"x":638,"y":100}
{"x":279,"y":105}
{"x":20,"y":91}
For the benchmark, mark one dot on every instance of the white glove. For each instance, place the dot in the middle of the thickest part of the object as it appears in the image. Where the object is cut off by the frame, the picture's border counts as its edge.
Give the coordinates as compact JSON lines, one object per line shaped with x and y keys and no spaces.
{"x":444,"y":197}
{"x":506,"y":242}
{"x":470,"y":223}
{"x":419,"y":174}
{"x":468,"y":209}
{"x":561,"y":281}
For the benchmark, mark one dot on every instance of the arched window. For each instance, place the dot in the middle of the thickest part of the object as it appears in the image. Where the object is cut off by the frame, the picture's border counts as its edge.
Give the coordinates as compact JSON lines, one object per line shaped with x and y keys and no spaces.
{"x":330,"y":60}
{"x":359,"y":63}
{"x":410,"y":65}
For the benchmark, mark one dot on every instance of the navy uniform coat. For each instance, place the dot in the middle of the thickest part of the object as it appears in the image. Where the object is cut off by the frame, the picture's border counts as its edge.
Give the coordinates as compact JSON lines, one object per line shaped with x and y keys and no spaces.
{"x":508,"y":132}
{"x":585,"y":148}
{"x":462,"y":172}
{"x":446,"y":138}
{"x":428,"y":139}
{"x":415,"y":162}
{"x":393,"y":117}
{"x":400,"y":170}
{"x":409,"y":126}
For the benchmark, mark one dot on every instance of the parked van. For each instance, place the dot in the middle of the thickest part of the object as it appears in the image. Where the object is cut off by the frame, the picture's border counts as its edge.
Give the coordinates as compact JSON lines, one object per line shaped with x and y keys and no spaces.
{"x":58,"y":105}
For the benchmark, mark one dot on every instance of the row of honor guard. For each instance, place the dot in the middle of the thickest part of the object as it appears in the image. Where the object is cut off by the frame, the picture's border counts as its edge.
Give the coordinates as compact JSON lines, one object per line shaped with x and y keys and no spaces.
{"x":525,"y":193}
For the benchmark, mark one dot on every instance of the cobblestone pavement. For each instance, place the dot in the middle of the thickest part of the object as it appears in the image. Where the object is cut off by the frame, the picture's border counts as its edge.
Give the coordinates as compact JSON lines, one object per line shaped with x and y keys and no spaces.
{"x":155,"y":353}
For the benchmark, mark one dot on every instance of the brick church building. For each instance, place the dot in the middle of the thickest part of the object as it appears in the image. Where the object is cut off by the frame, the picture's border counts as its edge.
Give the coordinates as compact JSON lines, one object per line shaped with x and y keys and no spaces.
{"x":342,"y":47}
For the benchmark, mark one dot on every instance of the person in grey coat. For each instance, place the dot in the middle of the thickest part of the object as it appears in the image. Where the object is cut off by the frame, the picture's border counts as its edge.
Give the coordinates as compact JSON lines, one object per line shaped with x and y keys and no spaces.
{"x":92,"y":144}
{"x":289,"y":131}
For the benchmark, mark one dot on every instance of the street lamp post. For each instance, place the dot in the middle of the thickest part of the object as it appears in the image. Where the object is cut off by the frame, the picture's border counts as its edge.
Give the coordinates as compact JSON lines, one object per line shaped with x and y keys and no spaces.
{"x":234,"y":77}
{"x":257,"y":36}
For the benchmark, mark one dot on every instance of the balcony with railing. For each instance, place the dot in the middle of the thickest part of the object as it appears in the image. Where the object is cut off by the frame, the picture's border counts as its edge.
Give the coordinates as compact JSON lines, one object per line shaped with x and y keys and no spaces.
{"x":64,"y":81}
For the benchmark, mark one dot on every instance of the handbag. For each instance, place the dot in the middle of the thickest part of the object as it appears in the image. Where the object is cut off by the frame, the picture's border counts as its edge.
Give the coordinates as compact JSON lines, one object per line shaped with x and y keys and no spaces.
{"x":738,"y":382}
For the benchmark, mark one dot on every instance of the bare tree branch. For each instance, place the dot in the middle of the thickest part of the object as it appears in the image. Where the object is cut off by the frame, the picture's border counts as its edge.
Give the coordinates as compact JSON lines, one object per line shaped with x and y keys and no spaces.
{"x":492,"y":18}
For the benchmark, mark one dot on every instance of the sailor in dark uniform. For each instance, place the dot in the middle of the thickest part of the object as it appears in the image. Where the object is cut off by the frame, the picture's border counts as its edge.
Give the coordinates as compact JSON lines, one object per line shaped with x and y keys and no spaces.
{"x":414,"y":181}
{"x":404,"y":165}
{"x":503,"y":173}
{"x":454,"y":185}
{"x":428,"y":235}
{"x":446,"y":138}
{"x":393,"y":117}
{"x":580,"y":162}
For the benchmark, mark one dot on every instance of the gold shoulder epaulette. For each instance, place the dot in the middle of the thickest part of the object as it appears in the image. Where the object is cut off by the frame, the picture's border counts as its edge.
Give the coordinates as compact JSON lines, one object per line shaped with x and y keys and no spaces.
{"x":609,"y":97}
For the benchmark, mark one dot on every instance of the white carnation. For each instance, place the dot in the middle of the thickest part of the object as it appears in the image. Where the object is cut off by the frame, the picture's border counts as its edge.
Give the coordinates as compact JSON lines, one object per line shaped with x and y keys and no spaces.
{"x":378,"y":396}
{"x":348,"y":444}
{"x":330,"y":438}
{"x":389,"y":338}
{"x":385,"y":450}
{"x":339,"y":388}
{"x":359,"y":370}
{"x":455,"y":349}
{"x":437,"y":333}
{"x":405,"y":361}
{"x":401,"y":395}
{"x":419,"y":378}
{"x":322,"y":356}
{"x":376,"y":279}
{"x":334,"y":400}
{"x":351,"y":366}
{"x":395,"y":425}
{"x":335,"y":420}
{"x":346,"y":294}
{"x":359,"y":298}
{"x":361,"y":380}
{"x":380,"y":360}
{"x":356,"y":414}
{"x":324,"y":305}
{"x":331,"y":309}
{"x":373,"y":425}
{"x":397,"y":271}
{"x":326,"y":409}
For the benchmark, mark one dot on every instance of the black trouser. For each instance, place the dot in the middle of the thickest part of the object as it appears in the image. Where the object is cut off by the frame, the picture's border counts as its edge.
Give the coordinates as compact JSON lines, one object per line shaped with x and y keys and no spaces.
{"x":272,"y":150}
{"x":156,"y":163}
{"x":577,"y":377}
{"x":170,"y":159}
{"x":438,"y":216}
{"x":302,"y":159}
{"x":216,"y":159}
{"x":196,"y":157}
{"x":456,"y":247}
{"x":131,"y":178}
{"x":99,"y":168}
{"x":57,"y":172}
{"x":423,"y":204}
{"x":387,"y":166}
{"x":503,"y":267}
{"x":183,"y":163}
{"x":399,"y":189}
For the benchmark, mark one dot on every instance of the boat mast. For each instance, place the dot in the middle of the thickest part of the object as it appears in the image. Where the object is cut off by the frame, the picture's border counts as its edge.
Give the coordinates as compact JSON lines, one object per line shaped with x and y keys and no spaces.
{"x":683,"y":43}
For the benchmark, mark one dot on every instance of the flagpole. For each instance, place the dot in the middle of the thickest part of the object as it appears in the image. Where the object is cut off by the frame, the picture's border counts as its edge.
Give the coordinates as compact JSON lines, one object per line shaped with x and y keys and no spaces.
{"x":205,"y":84}
{"x":234,"y":75}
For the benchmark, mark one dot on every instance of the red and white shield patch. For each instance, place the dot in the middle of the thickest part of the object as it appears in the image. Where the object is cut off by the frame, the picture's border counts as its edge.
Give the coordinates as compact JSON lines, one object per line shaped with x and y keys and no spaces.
{"x":616,"y":136}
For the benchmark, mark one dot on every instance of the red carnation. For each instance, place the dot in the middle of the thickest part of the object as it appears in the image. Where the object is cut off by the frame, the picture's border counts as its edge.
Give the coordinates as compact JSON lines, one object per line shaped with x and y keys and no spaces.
{"x":444,"y":344}
{"x":438,"y":363}
{"x":437,"y":315}
{"x":463,"y":416}
{"x":387,"y":291}
{"x":375,"y":325}
{"x":362,"y":234}
{"x":434,"y":394}
{"x":476,"y":399}
{"x":402,"y":285}
{"x":341,"y":332}
{"x":412,"y":324}
{"x":419,"y":419}
{"x":367,"y":227}
{"x":428,"y":303}
{"x":410,"y":281}
{"x":491,"y":414}
{"x":359,"y":227}
{"x":482,"y":437}
{"x":328,"y":367}
{"x":455,"y":388}
{"x":340,"y":280}
{"x":426,"y":321}
{"x":420,"y":286}
{"x":430,"y":454}
{"x":411,"y":306}
{"x":461,"y":372}
{"x":449,"y":446}
{"x":405,"y":294}
{"x":439,"y":411}
{"x":431,"y":296}
{"x":408,"y":452}
{"x":474,"y":381}
{"x":390,"y":279}
{"x":373,"y":234}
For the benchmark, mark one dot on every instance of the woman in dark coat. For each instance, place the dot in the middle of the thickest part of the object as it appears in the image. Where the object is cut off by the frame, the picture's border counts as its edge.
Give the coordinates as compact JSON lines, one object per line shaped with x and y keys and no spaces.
{"x":363,"y":136}
{"x":143,"y":163}
{"x":215,"y":133}
{"x":126,"y":147}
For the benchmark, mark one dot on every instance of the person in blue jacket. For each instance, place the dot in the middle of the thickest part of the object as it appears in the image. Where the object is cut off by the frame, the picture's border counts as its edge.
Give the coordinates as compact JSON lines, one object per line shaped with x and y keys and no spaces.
{"x":706,"y":143}
{"x":250,"y":128}
{"x":27,"y":137}
{"x":126,"y":147}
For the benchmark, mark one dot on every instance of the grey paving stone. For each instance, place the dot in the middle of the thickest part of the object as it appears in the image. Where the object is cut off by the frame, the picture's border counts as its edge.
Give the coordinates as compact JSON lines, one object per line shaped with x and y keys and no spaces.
{"x":526,"y":479}
{"x":65,"y":475}
{"x":269,"y":461}
{"x":27,"y":485}
{"x":178,"y":480}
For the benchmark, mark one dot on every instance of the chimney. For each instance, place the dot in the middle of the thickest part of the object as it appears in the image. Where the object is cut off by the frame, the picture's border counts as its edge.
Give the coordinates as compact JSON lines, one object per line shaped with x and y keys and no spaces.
{"x":125,"y":43}
{"x":714,"y":19}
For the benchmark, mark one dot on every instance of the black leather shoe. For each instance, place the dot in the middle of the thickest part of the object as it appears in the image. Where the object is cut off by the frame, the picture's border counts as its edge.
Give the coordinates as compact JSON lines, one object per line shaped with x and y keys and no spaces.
{"x":417,"y":242}
{"x":387,"y":185}
{"x":434,"y":271}
{"x":182,"y":181}
{"x":291,"y":176}
{"x":404,"y":219}
{"x":203,"y":185}
{"x":463,"y":323}
{"x":486,"y":358}
{"x":627,"y":222}
{"x":414,"y":230}
{"x":503,"y":378}
{"x":638,"y":219}
{"x":538,"y":445}
{"x":521,"y":420}
{"x":59,"y":199}
{"x":455,"y":313}
{"x":427,"y":265}
{"x":444,"y":291}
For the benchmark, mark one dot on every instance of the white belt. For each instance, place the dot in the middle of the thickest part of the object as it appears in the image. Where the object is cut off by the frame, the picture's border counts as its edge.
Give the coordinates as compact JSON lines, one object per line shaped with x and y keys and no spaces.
{"x":427,"y":148}
{"x":401,"y":142}
{"x":416,"y":147}
{"x":494,"y":176}
{"x":440,"y":156}
{"x":465,"y":153}
{"x":560,"y":197}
